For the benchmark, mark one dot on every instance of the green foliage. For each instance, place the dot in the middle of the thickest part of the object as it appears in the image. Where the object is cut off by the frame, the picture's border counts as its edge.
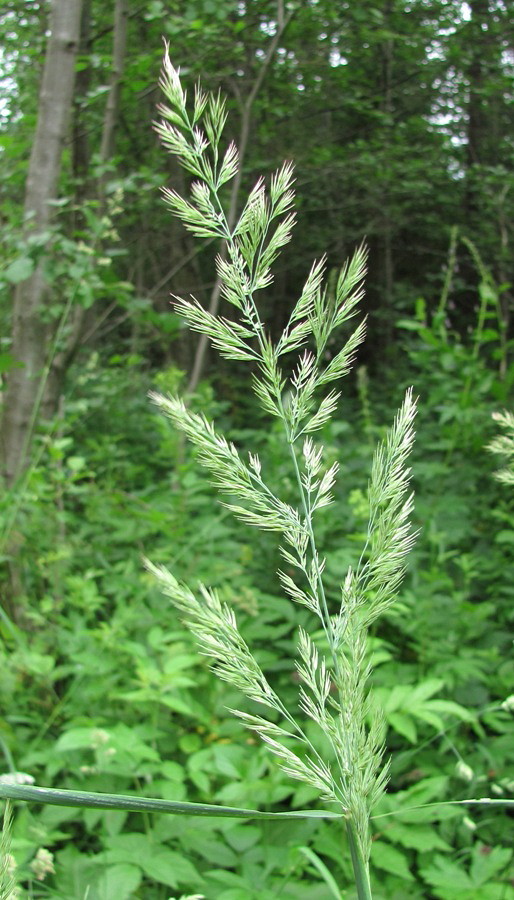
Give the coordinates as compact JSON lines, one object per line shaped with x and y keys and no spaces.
{"x":97,"y":648}
{"x":89,"y":648}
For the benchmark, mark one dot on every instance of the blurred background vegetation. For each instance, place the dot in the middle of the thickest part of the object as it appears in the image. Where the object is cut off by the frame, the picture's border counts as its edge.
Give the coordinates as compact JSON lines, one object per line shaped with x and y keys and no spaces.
{"x":398,"y":116}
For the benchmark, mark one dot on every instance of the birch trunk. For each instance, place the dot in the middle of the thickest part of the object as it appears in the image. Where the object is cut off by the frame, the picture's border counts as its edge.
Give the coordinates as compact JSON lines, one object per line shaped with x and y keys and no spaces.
{"x":29,"y":334}
{"x":82,"y":320}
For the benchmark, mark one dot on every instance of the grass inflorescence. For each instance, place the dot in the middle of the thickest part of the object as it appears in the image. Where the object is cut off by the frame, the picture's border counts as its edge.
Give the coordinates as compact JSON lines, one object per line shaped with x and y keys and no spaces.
{"x":296,"y":380}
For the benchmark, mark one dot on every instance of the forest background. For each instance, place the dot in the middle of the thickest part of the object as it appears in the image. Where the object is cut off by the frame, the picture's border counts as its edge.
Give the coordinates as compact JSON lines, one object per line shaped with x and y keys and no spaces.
{"x":399,"y":119}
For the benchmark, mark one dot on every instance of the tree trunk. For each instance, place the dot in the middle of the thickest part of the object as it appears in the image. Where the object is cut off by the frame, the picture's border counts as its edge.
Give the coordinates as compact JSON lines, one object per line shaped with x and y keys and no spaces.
{"x":81,"y":320}
{"x":118,"y":64}
{"x":80,"y":158}
{"x":387,"y":105}
{"x":476,"y":116}
{"x":29,"y":335}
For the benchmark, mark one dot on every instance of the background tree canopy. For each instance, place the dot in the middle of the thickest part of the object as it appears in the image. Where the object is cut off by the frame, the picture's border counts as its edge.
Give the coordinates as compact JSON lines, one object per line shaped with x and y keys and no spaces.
{"x":399,"y":119}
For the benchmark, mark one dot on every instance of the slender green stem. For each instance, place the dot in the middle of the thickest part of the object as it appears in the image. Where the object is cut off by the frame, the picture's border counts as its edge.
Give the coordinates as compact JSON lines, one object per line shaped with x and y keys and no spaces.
{"x":359,"y":864}
{"x":8,"y":756}
{"x":479,"y":801}
{"x":327,"y":627}
{"x":450,"y":270}
{"x":360,"y":867}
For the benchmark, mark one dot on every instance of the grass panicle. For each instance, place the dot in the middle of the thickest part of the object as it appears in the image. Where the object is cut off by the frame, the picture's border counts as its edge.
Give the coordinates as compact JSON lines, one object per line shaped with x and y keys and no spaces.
{"x":334,"y":683}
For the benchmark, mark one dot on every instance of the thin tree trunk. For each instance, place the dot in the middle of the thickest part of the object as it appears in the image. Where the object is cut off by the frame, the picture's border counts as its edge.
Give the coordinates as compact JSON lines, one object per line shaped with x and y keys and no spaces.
{"x":81,"y":319}
{"x":475,"y":72}
{"x":118,"y":65}
{"x":283,"y":21}
{"x":80,"y":158}
{"x":387,"y":223}
{"x":476,"y":121}
{"x":478,"y":56}
{"x":29,"y":344}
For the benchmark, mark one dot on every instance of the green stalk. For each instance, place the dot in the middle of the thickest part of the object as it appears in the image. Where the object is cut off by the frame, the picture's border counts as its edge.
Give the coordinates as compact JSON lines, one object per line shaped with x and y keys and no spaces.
{"x":327,"y":625}
{"x":360,"y":867}
{"x":450,"y":271}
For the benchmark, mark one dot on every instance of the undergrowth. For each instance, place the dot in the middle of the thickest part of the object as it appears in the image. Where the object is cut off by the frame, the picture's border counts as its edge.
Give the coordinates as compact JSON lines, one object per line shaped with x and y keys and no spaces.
{"x":103,"y":688}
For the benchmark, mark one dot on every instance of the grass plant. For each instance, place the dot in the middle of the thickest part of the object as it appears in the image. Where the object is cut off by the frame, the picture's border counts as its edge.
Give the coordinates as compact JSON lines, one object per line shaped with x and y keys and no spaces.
{"x":290,"y":378}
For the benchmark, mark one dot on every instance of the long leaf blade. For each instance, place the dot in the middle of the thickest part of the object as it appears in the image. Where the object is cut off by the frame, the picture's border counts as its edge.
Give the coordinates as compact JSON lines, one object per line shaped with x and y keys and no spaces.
{"x":92,"y":800}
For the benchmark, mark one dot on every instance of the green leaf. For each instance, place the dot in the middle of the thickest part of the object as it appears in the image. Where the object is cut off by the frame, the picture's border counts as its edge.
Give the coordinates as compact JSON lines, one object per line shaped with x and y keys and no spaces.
{"x":505,"y":536}
{"x":19,"y":270}
{"x":76,"y":739}
{"x":325,"y":873}
{"x":169,"y":868}
{"x":8,"y":362}
{"x":75,"y":463}
{"x":92,"y":800}
{"x":234,"y":894}
{"x":425,"y":689}
{"x":155,"y":10}
{"x":422,"y":838}
{"x":451,"y":708}
{"x":215,"y":852}
{"x":444,"y":872}
{"x":404,"y":725}
{"x":242,"y":837}
{"x":488,"y":862}
{"x":409,"y":325}
{"x":119,"y":881}
{"x":487,"y":293}
{"x":391,"y":860}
